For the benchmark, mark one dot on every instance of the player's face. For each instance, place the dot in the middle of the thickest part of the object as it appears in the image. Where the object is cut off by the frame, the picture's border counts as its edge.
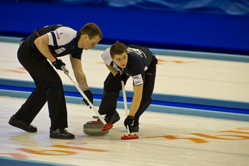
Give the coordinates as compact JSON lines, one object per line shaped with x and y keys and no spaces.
{"x":85,"y":42}
{"x":121,"y":59}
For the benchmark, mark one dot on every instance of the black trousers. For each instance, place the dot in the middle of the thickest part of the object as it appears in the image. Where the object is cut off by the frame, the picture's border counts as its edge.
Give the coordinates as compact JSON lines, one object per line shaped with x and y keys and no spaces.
{"x":111,"y":92}
{"x":49,"y":89}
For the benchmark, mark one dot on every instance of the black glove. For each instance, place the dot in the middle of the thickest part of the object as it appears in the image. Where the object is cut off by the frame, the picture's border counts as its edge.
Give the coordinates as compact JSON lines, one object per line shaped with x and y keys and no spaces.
{"x":89,"y":95}
{"x":129,"y":121}
{"x":120,"y":77}
{"x":58,"y":64}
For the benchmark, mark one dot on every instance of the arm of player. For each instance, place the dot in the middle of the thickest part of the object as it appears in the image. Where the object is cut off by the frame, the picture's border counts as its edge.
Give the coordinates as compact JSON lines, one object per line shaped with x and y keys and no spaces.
{"x":112,"y":70}
{"x":136,"y":100}
{"x":78,"y":73}
{"x":42,"y":45}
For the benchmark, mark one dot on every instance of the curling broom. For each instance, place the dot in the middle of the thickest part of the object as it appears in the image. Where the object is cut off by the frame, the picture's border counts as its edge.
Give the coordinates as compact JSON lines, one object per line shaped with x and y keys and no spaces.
{"x":129,"y":136}
{"x":106,"y":126}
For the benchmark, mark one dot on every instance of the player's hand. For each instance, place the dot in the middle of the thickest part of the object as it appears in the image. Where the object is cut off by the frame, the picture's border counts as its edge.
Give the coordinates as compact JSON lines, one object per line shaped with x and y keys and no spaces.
{"x":89,"y":95}
{"x":129,"y":122}
{"x":120,"y":77}
{"x":58,"y":64}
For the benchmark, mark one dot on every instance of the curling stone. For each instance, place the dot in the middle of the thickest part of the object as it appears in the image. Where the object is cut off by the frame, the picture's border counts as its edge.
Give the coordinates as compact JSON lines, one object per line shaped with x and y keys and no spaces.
{"x":94,"y":128}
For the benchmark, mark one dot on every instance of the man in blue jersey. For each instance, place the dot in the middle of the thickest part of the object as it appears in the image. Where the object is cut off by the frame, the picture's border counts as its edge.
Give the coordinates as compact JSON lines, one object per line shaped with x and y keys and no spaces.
{"x":139,"y":63}
{"x":35,"y":56}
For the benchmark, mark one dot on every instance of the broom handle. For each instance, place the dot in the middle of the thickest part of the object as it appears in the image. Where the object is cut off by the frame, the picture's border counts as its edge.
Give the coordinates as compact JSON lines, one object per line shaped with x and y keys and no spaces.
{"x":77,"y":86}
{"x":125,"y":102}
{"x":85,"y":97}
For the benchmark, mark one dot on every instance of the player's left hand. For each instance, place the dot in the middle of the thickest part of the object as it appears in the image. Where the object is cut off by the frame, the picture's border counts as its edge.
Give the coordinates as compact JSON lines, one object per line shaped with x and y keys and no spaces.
{"x":129,"y":122}
{"x":58,"y":64}
{"x":120,"y":77}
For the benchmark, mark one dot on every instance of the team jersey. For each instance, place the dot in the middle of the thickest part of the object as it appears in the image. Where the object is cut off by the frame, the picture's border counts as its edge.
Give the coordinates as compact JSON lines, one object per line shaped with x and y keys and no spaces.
{"x":139,"y":60}
{"x":62,"y":40}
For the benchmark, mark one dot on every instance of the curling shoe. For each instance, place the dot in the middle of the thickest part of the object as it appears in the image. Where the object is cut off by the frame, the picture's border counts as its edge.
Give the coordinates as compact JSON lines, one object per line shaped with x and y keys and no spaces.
{"x":22,"y":125}
{"x":134,"y":129}
{"x":61,"y":134}
{"x":112,"y":118}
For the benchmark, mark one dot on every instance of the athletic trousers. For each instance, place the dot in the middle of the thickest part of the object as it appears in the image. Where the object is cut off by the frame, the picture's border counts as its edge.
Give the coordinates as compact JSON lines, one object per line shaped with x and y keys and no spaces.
{"x":48,"y":89}
{"x":111,"y":92}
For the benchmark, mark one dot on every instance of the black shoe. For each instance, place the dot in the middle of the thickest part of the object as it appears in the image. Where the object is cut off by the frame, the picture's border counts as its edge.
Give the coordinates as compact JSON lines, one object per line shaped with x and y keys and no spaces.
{"x":61,"y":134}
{"x":22,"y":125}
{"x":112,"y":118}
{"x":134,"y":129}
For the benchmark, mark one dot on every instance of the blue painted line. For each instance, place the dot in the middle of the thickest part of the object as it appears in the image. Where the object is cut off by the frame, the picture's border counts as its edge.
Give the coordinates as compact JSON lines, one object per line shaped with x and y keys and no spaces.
{"x":152,"y":107}
{"x":171,"y":98}
{"x":201,"y":107}
{"x":129,"y":99}
{"x":71,"y":90}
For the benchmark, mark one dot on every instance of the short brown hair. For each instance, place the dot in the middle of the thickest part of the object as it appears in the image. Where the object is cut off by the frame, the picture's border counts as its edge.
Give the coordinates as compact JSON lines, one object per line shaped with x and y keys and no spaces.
{"x":91,"y":30}
{"x":117,"y":48}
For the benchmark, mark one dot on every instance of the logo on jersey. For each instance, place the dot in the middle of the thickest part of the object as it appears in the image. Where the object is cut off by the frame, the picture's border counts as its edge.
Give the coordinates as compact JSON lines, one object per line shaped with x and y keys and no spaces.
{"x":58,"y":35}
{"x":138,"y":80}
{"x":136,"y":51}
{"x":60,"y":50}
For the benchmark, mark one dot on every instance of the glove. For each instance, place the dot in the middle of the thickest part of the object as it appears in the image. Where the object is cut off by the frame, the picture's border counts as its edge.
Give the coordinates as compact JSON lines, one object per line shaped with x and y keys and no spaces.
{"x":120,"y":77}
{"x":129,"y":121}
{"x":89,"y":95}
{"x":58,"y":64}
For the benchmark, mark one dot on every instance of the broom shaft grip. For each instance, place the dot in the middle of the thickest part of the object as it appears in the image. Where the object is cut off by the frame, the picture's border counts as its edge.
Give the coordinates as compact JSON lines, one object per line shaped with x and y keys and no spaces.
{"x":125,"y":102}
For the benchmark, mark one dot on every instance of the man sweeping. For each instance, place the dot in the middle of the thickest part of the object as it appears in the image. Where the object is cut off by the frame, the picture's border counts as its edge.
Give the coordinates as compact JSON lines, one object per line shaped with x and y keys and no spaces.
{"x":139,"y":63}
{"x":35,"y":56}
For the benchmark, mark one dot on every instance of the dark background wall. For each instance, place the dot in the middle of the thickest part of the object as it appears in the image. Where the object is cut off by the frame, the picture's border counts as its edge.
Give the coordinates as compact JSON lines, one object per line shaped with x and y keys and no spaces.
{"x":208,"y":25}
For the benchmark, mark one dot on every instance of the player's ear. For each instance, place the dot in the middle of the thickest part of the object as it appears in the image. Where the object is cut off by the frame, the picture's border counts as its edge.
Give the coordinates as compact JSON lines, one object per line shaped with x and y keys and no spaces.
{"x":85,"y":37}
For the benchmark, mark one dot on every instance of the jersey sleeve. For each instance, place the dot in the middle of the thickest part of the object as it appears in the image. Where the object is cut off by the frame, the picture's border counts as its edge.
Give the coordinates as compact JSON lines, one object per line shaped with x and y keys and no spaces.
{"x":138,"y":79}
{"x":106,"y":56}
{"x":135,"y":68}
{"x":61,"y":36}
{"x":77,"y":54}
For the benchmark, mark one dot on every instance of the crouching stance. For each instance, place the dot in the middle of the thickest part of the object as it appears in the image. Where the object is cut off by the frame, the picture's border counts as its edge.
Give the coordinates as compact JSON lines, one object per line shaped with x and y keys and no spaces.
{"x":139,"y":63}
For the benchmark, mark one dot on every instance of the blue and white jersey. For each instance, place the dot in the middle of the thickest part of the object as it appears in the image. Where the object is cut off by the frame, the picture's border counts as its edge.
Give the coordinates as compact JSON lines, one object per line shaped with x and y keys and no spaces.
{"x":62,"y":40}
{"x":139,"y":60}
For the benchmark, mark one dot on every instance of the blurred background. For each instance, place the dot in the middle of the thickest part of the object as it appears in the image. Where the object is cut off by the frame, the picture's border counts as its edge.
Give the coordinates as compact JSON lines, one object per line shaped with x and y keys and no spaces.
{"x":220,"y":26}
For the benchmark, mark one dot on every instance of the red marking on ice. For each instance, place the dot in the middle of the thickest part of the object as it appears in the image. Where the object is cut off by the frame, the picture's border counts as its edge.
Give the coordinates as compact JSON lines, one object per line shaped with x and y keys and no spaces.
{"x":15,"y":155}
{"x":20,"y":70}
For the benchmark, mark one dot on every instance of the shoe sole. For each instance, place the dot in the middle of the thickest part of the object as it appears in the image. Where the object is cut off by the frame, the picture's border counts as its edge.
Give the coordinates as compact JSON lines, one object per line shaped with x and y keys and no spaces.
{"x":62,"y":136}
{"x":21,"y":127}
